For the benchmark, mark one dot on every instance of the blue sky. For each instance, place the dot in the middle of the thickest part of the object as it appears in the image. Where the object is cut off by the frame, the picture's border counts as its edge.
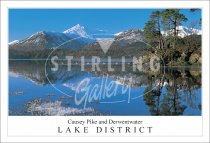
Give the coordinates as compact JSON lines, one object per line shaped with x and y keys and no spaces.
{"x":24,"y":22}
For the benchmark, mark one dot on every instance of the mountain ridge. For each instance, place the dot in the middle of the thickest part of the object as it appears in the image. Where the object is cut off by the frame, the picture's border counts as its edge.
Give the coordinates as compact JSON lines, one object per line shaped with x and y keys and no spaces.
{"x":79,"y":38}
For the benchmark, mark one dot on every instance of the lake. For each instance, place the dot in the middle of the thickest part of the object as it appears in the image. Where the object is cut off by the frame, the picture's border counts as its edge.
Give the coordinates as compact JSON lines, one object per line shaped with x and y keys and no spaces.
{"x":35,"y":91}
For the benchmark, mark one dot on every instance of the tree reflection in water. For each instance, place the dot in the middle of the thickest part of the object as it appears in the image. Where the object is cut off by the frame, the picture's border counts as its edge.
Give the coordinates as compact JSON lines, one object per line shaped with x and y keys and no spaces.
{"x":174,"y":93}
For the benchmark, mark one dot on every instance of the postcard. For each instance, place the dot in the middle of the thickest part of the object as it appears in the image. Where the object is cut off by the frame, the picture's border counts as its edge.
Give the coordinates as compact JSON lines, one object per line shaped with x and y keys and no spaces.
{"x":121,"y":71}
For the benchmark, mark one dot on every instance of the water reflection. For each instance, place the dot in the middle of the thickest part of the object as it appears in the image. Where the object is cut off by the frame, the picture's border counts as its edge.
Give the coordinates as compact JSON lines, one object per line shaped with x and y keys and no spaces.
{"x":177,"y":92}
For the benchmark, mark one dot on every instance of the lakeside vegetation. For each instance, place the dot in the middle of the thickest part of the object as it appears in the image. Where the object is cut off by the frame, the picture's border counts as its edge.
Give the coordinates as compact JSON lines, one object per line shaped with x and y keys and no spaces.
{"x":174,"y":49}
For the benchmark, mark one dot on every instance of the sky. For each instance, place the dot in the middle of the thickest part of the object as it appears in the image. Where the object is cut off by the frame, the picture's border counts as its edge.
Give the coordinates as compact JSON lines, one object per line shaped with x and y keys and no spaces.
{"x":25,"y":22}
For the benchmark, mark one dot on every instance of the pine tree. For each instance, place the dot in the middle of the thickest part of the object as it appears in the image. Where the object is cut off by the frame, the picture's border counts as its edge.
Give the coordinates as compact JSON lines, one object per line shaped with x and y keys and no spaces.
{"x":172,"y":19}
{"x":150,"y":33}
{"x":152,"y":30}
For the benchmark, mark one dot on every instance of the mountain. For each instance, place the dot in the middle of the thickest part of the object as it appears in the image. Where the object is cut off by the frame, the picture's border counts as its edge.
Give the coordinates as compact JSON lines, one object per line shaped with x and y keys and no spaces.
{"x":13,"y":42}
{"x":128,"y":43}
{"x":117,"y":34}
{"x":184,"y":31}
{"x":75,"y":37}
{"x":130,"y":36}
{"x":85,"y":34}
{"x":77,"y":31}
{"x":47,"y":40}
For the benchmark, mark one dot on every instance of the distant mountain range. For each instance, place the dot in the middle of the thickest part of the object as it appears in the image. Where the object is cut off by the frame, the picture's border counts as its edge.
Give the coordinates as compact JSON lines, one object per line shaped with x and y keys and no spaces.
{"x":75,"y":37}
{"x":78,"y":37}
{"x":184,"y":31}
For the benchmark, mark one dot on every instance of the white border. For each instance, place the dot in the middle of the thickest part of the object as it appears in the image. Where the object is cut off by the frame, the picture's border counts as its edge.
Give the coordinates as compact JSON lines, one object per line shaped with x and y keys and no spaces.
{"x":105,"y":4}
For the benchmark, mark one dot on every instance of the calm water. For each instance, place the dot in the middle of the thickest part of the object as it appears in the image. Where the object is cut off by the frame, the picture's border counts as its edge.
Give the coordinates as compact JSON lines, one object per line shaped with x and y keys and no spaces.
{"x":34,"y":90}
